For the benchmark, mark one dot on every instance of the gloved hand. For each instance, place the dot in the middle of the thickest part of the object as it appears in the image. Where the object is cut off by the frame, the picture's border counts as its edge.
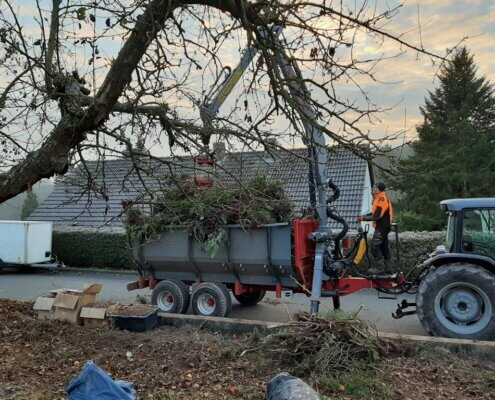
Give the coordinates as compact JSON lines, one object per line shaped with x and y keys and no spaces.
{"x":360,"y":218}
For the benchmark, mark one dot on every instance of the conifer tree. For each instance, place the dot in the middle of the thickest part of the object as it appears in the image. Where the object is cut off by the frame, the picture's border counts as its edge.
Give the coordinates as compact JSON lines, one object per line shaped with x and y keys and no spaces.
{"x":454,"y":155}
{"x":30,"y":204}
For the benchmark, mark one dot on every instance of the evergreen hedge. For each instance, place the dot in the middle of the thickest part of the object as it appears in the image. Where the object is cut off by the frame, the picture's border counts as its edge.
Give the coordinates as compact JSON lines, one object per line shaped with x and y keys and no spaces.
{"x":108,"y":247}
{"x":105,"y":248}
{"x":412,"y":244}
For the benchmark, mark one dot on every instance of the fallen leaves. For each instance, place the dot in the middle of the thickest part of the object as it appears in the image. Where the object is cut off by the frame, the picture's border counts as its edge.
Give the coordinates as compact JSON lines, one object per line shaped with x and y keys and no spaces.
{"x":170,"y":363}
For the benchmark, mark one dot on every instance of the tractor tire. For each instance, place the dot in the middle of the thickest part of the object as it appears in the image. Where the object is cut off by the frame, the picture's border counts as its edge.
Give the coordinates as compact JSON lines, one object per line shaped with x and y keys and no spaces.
{"x":171,"y":297}
{"x":250,"y":298}
{"x":211,"y":299}
{"x":458,"y":301}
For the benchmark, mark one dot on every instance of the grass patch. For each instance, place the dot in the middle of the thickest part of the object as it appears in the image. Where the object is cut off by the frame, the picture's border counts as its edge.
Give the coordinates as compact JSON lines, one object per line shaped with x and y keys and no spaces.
{"x":361,"y":382}
{"x":489,"y":384}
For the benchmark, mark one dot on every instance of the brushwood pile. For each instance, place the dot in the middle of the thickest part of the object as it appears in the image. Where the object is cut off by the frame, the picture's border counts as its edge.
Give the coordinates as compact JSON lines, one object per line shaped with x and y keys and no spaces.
{"x":205,"y":212}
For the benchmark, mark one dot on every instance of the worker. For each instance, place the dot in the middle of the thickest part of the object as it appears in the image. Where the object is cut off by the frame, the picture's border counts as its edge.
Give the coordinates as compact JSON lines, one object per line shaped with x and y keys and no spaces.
{"x":382,"y":214}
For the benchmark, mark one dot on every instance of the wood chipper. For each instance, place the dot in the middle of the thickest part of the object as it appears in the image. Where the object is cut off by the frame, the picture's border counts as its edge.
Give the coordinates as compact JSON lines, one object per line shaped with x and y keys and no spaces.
{"x":455,"y":295}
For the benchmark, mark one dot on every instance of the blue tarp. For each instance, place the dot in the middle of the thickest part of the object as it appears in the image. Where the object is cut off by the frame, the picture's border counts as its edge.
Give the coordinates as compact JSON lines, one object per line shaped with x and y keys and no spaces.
{"x":93,"y":383}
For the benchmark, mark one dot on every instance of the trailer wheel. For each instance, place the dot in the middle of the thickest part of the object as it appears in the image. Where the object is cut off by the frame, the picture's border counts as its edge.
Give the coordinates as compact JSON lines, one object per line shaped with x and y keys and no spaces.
{"x":458,"y":301}
{"x":171,"y":297}
{"x":211,"y":299}
{"x":250,"y":298}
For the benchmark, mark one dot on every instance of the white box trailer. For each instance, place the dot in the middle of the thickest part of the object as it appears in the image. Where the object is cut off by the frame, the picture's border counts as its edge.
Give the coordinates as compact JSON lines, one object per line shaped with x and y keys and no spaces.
{"x":25,"y":243}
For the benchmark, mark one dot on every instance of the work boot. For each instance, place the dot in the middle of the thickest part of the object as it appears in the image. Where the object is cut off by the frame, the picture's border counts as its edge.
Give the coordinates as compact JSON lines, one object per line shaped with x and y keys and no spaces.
{"x":377,"y":269}
{"x":388,"y":266}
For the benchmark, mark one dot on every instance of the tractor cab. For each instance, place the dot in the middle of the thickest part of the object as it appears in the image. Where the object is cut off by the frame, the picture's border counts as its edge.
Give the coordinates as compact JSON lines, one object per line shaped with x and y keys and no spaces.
{"x":471,"y":226}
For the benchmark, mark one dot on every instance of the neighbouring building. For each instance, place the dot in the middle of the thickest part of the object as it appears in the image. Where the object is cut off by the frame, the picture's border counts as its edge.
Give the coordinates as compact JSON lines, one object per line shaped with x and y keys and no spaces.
{"x":97,"y":202}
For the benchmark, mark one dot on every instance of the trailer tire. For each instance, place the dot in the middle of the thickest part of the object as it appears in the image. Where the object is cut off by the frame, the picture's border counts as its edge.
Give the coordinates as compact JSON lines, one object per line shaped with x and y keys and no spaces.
{"x":458,"y":301}
{"x":211,"y":299}
{"x":250,"y":298}
{"x":171,"y":297}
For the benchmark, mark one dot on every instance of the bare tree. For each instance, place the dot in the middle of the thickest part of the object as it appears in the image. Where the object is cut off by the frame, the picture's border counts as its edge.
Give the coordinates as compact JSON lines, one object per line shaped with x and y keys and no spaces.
{"x":90,"y":79}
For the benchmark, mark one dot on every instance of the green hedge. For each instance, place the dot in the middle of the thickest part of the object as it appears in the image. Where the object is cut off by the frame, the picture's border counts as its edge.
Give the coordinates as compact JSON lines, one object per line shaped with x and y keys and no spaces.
{"x":412,"y":244}
{"x":92,"y":248}
{"x":108,"y":248}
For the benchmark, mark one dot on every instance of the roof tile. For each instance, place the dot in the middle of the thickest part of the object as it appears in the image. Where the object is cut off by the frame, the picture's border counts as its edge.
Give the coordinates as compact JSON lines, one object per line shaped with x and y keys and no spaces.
{"x":71,"y":203}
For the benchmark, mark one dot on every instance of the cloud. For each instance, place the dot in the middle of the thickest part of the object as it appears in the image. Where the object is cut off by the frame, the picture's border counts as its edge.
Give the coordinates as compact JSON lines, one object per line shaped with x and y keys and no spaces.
{"x":443,"y":24}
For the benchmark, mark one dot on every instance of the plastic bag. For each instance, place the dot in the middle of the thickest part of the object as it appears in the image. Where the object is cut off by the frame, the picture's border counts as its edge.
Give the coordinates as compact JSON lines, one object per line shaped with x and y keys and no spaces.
{"x":287,"y":387}
{"x":93,"y":383}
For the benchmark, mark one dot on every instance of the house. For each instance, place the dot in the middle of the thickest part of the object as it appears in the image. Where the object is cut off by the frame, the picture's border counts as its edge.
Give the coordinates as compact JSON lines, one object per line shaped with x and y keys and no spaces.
{"x":11,"y":210}
{"x":97,"y":202}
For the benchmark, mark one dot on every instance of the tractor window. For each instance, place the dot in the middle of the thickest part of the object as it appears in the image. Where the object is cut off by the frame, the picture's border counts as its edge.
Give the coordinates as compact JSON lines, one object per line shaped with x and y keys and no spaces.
{"x":478,"y":232}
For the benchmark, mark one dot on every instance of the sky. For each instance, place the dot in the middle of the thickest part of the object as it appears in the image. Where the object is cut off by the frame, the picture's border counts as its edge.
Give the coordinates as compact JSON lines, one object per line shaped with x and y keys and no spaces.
{"x":444,"y":23}
{"x":404,"y":81}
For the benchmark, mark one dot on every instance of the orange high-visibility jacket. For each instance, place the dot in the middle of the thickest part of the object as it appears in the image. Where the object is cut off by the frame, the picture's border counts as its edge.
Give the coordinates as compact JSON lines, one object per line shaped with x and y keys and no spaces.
{"x":381,"y":200}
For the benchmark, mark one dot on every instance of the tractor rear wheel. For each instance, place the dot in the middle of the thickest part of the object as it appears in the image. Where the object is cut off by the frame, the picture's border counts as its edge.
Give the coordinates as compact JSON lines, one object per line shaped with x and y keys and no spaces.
{"x":458,"y":301}
{"x":211,"y":299}
{"x":171,"y":297}
{"x":250,"y":298}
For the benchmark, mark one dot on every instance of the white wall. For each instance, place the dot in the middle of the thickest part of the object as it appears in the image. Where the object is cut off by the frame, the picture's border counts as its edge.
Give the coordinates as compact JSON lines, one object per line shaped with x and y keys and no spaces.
{"x":367,"y":199}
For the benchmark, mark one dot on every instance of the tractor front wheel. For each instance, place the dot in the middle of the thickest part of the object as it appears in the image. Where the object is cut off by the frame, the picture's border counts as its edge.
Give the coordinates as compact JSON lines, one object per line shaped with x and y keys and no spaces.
{"x":458,"y":301}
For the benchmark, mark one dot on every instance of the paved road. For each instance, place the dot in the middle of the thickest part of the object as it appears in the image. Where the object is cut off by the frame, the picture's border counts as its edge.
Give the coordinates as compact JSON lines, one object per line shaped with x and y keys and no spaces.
{"x":29,"y":285}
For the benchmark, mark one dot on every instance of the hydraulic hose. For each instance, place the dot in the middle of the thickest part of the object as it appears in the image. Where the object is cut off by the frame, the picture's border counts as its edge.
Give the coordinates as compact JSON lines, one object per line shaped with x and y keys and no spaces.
{"x":337,"y":218}
{"x":341,"y":235}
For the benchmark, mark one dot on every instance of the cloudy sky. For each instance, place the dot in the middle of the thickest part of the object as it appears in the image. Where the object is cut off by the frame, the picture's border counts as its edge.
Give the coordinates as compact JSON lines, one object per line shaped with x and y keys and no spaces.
{"x":406,"y":79}
{"x":444,"y":23}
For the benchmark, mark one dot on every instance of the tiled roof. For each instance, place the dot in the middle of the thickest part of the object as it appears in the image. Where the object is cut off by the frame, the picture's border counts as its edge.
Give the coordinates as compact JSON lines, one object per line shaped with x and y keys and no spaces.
{"x":72,"y":203}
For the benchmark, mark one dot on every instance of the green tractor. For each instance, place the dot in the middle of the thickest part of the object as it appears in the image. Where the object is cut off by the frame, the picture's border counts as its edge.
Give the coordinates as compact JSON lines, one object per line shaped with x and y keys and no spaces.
{"x":456,"y":294}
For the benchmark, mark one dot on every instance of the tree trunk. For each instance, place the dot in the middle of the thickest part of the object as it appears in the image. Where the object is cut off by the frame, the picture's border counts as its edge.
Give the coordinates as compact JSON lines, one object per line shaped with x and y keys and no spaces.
{"x":53,"y":155}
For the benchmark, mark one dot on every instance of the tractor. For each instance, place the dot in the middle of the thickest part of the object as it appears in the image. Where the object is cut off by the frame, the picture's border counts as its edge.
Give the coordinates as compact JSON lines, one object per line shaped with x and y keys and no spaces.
{"x":456,"y":291}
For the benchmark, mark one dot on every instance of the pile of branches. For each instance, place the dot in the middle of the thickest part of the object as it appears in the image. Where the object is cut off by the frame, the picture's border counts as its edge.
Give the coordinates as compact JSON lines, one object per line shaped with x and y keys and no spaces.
{"x":323,"y":345}
{"x":206,"y":211}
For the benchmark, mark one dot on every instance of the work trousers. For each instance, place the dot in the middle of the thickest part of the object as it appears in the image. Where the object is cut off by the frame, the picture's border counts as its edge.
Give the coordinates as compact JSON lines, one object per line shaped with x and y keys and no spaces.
{"x":380,"y":248}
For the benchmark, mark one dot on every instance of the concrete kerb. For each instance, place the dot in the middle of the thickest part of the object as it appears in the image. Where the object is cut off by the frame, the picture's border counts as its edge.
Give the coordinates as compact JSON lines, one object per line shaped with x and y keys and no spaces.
{"x":223,"y":325}
{"x":97,"y":271}
{"x":479,"y":348}
{"x":483,"y":349}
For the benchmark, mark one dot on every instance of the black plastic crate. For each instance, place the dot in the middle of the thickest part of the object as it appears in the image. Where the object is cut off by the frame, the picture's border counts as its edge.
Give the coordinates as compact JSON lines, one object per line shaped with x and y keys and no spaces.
{"x":135,"y":323}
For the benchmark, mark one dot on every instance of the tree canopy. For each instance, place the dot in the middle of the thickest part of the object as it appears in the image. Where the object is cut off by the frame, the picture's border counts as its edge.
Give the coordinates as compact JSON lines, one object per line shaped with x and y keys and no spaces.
{"x":91,"y":79}
{"x":454,"y":154}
